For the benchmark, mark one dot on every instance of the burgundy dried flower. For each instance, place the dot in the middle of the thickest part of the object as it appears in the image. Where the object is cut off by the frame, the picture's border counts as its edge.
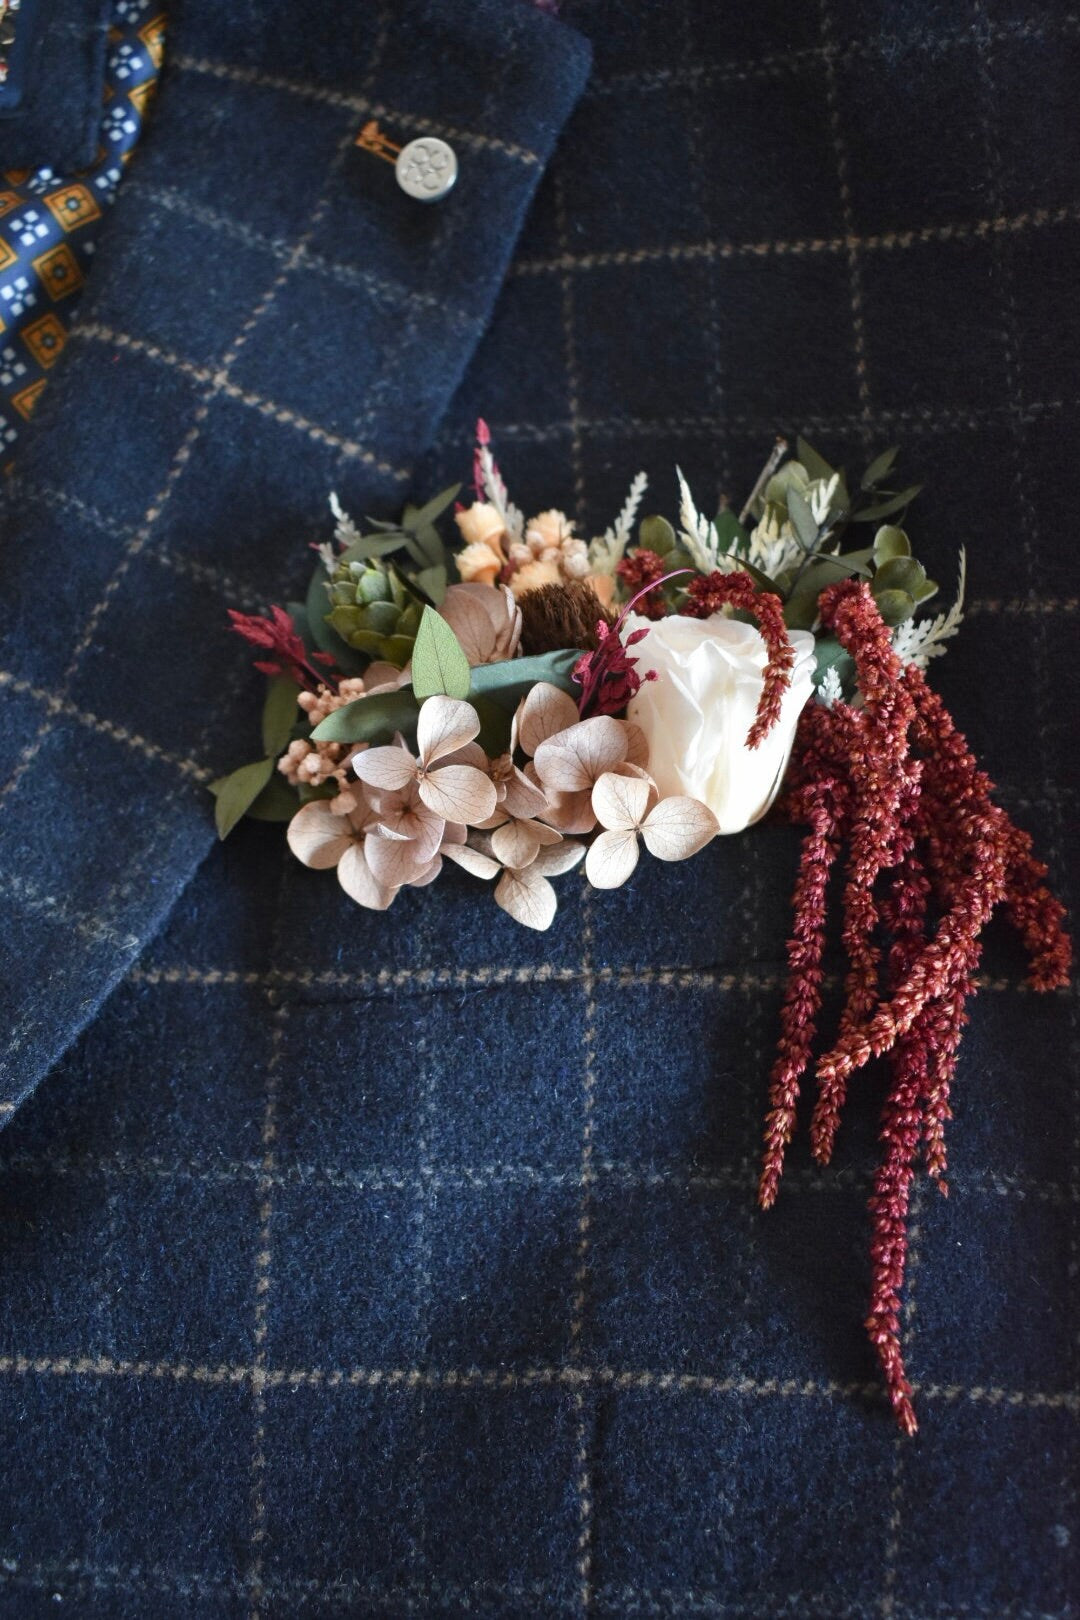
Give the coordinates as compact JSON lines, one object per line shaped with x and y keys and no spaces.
{"x":278,"y":634}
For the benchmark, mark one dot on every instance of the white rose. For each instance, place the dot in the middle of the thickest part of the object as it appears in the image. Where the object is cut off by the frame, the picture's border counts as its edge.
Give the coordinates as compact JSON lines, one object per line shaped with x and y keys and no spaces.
{"x":698,"y":711}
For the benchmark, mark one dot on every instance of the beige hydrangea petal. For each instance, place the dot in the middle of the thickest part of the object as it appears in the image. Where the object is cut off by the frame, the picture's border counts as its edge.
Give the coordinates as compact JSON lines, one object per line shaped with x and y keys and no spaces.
{"x":523,"y":798}
{"x":572,"y":760}
{"x":459,"y":793}
{"x":619,"y":801}
{"x":528,"y":897}
{"x":637,"y":745}
{"x":558,"y":858}
{"x":387,"y":768}
{"x":542,"y":712}
{"x":394,"y":861}
{"x":317,"y":837}
{"x":472,"y":860}
{"x":427,"y":874}
{"x":611,"y":858}
{"x":570,"y":812}
{"x":678,"y":827}
{"x":360,"y":883}
{"x":486,"y":620}
{"x":445,"y":724}
{"x":516,"y":843}
{"x":470,"y":754}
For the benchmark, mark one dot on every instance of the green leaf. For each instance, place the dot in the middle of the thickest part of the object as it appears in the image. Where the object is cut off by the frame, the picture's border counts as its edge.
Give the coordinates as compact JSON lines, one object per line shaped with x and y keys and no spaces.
{"x":656,"y":534}
{"x":507,"y":682}
{"x":325,"y":638}
{"x":828,"y":654}
{"x":277,"y":801}
{"x":802,"y":519}
{"x":236,"y":793}
{"x":890,"y":542}
{"x":370,"y":719}
{"x":879,"y":468}
{"x":279,"y":714}
{"x":895,"y":606}
{"x":733,"y":537}
{"x":759,"y":577}
{"x":439,"y":666}
{"x":816,"y":465}
{"x":423,"y":517}
{"x":495,"y":722}
{"x":900,"y":574}
{"x":873,"y":514}
{"x":432,"y":581}
{"x":929,"y":588}
{"x":800,"y":610}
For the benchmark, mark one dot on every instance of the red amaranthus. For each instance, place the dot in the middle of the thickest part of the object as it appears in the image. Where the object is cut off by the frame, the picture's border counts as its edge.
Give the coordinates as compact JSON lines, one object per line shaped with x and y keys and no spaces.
{"x":929,"y":858}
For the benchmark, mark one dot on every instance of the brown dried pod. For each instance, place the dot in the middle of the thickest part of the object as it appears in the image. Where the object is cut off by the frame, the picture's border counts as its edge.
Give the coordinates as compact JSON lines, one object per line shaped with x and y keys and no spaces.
{"x":557,"y":616}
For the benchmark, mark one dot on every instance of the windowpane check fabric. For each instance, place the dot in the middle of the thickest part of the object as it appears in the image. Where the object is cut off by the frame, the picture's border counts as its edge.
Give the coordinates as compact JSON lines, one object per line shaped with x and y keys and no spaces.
{"x":409,"y":1265}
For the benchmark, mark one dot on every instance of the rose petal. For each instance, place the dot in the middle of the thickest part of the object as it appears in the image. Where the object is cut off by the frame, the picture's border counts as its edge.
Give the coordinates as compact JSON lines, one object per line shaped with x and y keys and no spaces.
{"x":527,"y":897}
{"x":459,"y":793}
{"x":392,"y":861}
{"x":444,"y":725}
{"x":473,"y":860}
{"x":360,"y":883}
{"x":620,"y":801}
{"x":516,"y":844}
{"x":542,"y":712}
{"x":388,"y":768}
{"x":677,"y":828}
{"x":558,"y":858}
{"x":317,"y":837}
{"x":611,"y":859}
{"x":572,"y":760}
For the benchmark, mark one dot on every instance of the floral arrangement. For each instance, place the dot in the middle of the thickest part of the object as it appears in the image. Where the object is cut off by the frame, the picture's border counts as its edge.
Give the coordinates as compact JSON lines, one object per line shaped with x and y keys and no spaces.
{"x":531,"y":701}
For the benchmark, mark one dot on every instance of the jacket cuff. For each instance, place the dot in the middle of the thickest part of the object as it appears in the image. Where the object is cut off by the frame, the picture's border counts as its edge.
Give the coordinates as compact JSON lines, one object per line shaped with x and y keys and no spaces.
{"x":243,"y":348}
{"x":51,"y":104}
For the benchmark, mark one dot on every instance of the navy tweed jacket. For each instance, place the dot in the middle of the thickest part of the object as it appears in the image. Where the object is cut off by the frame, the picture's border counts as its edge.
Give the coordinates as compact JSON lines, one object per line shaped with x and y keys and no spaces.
{"x":406,"y":1265}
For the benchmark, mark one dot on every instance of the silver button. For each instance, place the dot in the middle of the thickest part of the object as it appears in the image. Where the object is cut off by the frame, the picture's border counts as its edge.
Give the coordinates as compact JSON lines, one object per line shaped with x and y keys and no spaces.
{"x":426,"y":168}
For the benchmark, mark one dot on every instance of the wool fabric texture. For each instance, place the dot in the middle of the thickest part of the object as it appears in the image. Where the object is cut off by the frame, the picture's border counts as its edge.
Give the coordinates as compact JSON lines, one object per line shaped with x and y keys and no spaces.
{"x":409,"y":1264}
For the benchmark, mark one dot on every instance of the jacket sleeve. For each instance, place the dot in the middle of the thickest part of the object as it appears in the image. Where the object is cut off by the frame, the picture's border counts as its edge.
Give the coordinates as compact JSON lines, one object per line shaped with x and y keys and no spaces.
{"x":270,"y":318}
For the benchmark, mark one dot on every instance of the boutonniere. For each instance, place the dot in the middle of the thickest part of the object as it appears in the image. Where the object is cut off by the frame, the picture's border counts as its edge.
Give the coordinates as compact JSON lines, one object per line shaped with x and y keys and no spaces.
{"x":525,"y":701}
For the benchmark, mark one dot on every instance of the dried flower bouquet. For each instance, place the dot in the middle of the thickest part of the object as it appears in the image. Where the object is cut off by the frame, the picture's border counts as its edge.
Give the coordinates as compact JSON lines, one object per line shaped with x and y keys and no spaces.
{"x":489,"y":707}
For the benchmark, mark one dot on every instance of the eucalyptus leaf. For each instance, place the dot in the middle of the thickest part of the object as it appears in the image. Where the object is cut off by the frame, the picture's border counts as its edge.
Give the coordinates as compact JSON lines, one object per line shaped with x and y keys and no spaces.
{"x":439,"y":666}
{"x":759,"y":577}
{"x":895,"y":606}
{"x":506,"y":683}
{"x":370,"y":719}
{"x":655,"y":533}
{"x":900,"y":574}
{"x":929,"y":588}
{"x":495,"y":722}
{"x":277,"y":801}
{"x":895,"y":503}
{"x":237,"y":792}
{"x":879,"y":468}
{"x":802,"y":520}
{"x":279,"y":714}
{"x":371,"y":547}
{"x":815,"y":464}
{"x":890,"y":542}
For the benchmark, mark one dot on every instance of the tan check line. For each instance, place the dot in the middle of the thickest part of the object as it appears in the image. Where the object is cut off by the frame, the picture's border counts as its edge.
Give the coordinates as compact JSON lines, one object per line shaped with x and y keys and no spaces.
{"x":451,"y":978}
{"x":503,"y":1380}
{"x":410,"y":121}
{"x":348,"y":275}
{"x":428,"y":1177}
{"x":95,"y":332}
{"x":56,"y":705}
{"x":30,"y":897}
{"x":815,"y":57}
{"x":976,"y":230}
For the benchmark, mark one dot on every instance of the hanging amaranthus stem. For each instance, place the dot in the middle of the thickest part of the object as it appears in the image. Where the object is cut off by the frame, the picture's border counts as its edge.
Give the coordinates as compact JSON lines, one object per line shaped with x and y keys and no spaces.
{"x":930,"y":858}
